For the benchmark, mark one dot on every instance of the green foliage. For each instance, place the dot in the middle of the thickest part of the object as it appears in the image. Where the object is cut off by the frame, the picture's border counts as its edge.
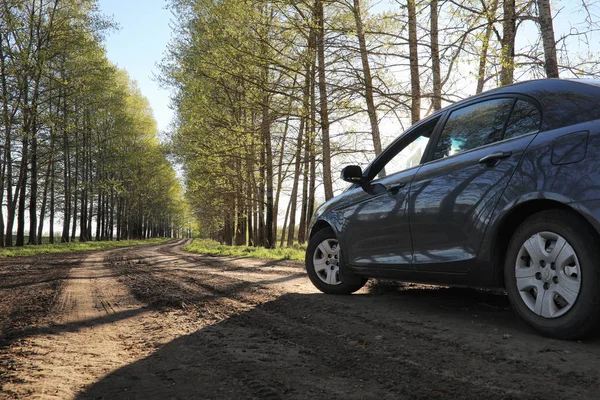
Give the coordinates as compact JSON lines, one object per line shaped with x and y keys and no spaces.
{"x":207,"y":246}
{"x":33,"y":250}
{"x":248,"y":99}
{"x":83,"y":127}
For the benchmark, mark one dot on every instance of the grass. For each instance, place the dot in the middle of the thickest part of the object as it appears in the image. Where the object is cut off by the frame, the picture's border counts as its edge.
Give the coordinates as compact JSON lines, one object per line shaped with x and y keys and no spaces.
{"x":73,"y":246}
{"x":207,"y":246}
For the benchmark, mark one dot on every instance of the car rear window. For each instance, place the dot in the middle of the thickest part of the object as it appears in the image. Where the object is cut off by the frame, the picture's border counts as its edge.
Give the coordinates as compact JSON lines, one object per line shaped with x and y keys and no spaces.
{"x":570,"y":105}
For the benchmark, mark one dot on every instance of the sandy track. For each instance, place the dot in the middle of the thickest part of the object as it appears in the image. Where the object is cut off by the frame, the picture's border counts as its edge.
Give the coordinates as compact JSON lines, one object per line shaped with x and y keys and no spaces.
{"x":95,"y":326}
{"x":157,"y":322}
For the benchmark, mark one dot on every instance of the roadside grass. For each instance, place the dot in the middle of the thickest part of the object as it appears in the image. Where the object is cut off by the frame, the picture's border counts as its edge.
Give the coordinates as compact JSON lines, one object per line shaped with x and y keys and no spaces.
{"x":31,"y":250}
{"x":211,"y":247}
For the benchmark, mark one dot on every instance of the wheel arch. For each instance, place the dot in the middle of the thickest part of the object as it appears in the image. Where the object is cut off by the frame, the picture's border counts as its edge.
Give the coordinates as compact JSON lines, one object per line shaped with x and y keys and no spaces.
{"x":511,"y":221}
{"x":319,"y":226}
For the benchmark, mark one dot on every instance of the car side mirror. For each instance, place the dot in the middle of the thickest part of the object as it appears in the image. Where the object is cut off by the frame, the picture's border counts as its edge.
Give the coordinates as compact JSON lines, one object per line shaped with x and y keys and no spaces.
{"x":352,"y":174}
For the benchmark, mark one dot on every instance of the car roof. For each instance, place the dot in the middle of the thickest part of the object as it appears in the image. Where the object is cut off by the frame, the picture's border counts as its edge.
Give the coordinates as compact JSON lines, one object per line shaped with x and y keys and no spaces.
{"x":537,"y":85}
{"x":564,"y":101}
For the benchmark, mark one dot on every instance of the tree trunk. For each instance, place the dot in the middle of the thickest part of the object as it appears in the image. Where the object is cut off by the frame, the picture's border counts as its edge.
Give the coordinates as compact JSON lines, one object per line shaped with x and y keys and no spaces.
{"x":99,"y":215}
{"x":250,"y":202}
{"x":304,"y":206}
{"x":84,"y":187}
{"x":6,"y":127}
{"x":22,"y":186}
{"x":52,"y":204}
{"x":313,"y":147}
{"x":240,"y":233}
{"x":33,"y":189}
{"x":436,"y":100}
{"x":285,"y":220}
{"x":75,"y":186}
{"x":320,"y":23}
{"x":371,"y":110}
{"x":298,"y":156}
{"x":547,"y":30}
{"x":261,"y":198}
{"x":119,"y":217}
{"x":491,"y":17}
{"x":266,"y":131}
{"x":507,"y":56}
{"x":415,"y":84}
{"x":10,"y":208}
{"x":47,"y":178}
{"x":66,"y":178}
{"x":32,"y":129}
{"x":90,"y":214}
{"x":2,"y":177}
{"x":280,"y":174}
{"x":111,"y":223}
{"x":294,"y":193}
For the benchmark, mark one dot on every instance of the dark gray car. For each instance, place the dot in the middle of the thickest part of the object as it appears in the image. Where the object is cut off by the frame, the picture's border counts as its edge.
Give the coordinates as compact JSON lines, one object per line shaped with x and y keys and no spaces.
{"x":499,"y":190}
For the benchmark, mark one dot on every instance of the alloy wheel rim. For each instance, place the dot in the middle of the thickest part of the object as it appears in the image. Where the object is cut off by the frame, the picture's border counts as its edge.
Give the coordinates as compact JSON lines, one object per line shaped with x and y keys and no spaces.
{"x":548,"y":274}
{"x":326,"y":261}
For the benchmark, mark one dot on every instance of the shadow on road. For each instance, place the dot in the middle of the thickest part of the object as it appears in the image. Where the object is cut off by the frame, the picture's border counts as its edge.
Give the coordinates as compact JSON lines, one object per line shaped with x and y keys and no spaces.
{"x":410,"y":343}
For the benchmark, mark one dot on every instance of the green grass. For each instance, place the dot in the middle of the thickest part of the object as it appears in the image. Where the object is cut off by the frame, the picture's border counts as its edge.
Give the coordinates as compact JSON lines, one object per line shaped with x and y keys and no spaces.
{"x":206,"y":246}
{"x":73,"y":246}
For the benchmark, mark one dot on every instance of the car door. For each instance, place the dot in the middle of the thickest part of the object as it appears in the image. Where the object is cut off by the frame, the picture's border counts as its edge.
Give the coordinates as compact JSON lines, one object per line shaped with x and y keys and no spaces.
{"x":452,"y":196}
{"x":375,"y":227}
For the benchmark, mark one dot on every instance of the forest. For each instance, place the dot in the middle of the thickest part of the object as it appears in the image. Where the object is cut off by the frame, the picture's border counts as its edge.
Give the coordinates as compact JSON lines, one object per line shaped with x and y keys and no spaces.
{"x":80,"y":155}
{"x":273,"y":97}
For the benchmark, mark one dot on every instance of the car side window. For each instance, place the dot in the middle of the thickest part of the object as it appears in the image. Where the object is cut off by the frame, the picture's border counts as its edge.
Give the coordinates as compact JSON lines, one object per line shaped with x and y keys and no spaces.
{"x":473,"y":126}
{"x":524,"y":119}
{"x":410,"y":153}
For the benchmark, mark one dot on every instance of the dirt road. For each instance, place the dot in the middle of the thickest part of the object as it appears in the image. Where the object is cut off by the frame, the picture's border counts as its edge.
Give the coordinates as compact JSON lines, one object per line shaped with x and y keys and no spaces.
{"x":157,"y":322}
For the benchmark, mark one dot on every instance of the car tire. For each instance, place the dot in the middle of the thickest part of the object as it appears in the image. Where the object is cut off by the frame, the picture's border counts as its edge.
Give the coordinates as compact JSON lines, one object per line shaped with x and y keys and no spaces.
{"x":325,"y":265}
{"x":555,"y":254}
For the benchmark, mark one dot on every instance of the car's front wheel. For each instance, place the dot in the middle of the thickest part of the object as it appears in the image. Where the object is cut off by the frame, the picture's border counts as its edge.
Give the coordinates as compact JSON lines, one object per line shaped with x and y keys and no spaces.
{"x":551,"y":274}
{"x":325,"y":265}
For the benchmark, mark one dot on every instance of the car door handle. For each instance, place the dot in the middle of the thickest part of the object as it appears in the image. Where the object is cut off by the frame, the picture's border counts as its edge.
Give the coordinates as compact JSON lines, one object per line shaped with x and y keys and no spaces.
{"x":495,"y":158}
{"x":394,"y":189}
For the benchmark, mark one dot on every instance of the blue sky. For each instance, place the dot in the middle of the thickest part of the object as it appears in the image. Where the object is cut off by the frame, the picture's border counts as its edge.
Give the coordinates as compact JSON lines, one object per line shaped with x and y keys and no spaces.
{"x":139,"y":45}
